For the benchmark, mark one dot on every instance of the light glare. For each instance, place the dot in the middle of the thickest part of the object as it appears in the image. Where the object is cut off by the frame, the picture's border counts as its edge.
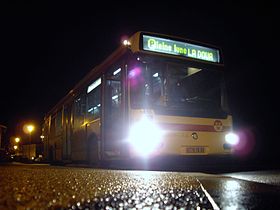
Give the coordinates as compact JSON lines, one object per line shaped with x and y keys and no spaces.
{"x":232,"y":138}
{"x":17,"y":139}
{"x":145,"y":136}
{"x":94,"y":85}
{"x":30,"y":128}
{"x":117,"y":71}
{"x":126,"y":42}
{"x":155,"y":75}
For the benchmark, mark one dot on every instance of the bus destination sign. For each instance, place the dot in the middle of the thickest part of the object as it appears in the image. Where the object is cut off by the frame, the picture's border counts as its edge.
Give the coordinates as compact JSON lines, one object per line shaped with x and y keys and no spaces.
{"x":185,"y":49}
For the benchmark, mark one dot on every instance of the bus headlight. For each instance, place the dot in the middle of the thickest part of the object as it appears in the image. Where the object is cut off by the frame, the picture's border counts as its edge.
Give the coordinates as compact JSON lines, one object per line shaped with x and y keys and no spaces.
{"x":145,"y":137}
{"x":232,"y":138}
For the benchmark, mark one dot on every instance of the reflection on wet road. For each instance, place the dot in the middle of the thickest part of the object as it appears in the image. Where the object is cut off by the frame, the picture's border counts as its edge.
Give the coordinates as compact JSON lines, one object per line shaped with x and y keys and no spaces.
{"x":24,"y":187}
{"x":266,"y":177}
{"x":231,"y":193}
{"x":49,"y":187}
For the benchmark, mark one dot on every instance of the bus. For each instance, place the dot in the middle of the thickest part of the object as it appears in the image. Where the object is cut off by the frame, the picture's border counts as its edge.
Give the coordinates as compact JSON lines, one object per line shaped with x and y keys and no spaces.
{"x":155,"y":96}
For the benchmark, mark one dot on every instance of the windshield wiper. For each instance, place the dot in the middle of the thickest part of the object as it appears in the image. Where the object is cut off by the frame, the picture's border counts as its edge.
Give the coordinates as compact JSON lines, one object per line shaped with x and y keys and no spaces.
{"x":198,"y":99}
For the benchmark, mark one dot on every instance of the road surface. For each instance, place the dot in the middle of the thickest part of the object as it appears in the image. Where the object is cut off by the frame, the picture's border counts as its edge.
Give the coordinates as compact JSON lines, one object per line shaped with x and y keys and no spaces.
{"x":24,"y":186}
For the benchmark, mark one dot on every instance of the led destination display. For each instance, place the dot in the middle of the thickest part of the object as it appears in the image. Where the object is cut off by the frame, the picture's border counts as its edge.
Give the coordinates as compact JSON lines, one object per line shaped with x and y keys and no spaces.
{"x":185,"y":49}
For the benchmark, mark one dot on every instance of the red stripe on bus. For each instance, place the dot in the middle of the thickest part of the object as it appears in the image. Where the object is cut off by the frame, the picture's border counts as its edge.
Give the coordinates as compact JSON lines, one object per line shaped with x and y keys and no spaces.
{"x":190,"y":127}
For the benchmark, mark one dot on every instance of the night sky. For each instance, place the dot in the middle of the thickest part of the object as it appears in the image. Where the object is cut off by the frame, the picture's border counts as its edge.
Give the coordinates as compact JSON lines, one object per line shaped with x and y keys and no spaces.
{"x":46,"y":48}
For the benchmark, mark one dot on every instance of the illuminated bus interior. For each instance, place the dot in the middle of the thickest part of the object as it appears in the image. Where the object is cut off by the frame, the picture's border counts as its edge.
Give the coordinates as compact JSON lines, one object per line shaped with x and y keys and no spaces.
{"x":177,"y":89}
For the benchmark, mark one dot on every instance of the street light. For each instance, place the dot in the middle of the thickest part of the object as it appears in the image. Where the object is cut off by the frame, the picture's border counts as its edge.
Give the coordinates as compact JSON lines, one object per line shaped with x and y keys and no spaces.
{"x":17,"y":139}
{"x":16,"y":146}
{"x":30,"y":129}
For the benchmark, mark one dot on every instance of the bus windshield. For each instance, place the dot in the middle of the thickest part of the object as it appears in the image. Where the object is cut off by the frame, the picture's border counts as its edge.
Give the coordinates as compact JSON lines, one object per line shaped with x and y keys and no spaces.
{"x":177,"y":89}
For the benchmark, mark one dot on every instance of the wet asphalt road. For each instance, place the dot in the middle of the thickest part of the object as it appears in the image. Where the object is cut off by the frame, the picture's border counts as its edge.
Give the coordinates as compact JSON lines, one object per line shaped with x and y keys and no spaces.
{"x":25,"y":186}
{"x":232,"y":193}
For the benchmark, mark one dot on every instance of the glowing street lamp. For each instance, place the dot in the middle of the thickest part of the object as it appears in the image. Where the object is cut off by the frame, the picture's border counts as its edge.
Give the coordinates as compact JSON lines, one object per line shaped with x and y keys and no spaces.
{"x":17,"y":139}
{"x":30,"y":129}
{"x":15,"y":147}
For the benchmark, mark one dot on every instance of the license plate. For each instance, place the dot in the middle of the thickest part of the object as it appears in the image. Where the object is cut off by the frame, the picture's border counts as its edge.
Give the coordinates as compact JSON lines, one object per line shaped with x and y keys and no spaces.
{"x":195,"y":150}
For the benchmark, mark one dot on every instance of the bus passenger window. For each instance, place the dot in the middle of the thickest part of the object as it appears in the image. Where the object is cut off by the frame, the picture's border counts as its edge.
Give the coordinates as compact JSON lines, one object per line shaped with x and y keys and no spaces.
{"x":79,"y":111}
{"x":94,"y":100}
{"x":114,"y":94}
{"x":137,"y":86}
{"x":58,"y":123}
{"x":114,"y":73}
{"x":113,"y":91}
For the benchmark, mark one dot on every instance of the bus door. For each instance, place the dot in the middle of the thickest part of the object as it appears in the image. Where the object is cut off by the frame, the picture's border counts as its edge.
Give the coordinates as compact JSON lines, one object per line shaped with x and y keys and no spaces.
{"x":112,"y":114}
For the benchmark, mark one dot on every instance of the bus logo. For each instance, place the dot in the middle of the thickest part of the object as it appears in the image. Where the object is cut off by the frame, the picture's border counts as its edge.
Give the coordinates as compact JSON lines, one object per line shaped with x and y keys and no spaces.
{"x":194,"y":136}
{"x":218,"y":125}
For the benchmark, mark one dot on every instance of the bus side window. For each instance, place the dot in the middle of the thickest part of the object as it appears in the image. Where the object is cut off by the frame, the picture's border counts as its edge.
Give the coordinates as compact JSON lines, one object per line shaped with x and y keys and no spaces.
{"x":52,"y":127}
{"x":113,"y":100}
{"x":79,"y":111}
{"x":94,"y":100}
{"x":58,"y":123}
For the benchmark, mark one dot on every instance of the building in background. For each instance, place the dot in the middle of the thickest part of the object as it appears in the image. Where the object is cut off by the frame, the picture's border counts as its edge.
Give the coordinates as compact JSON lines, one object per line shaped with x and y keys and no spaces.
{"x":31,"y":151}
{"x":2,"y":131}
{"x":2,"y":150}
